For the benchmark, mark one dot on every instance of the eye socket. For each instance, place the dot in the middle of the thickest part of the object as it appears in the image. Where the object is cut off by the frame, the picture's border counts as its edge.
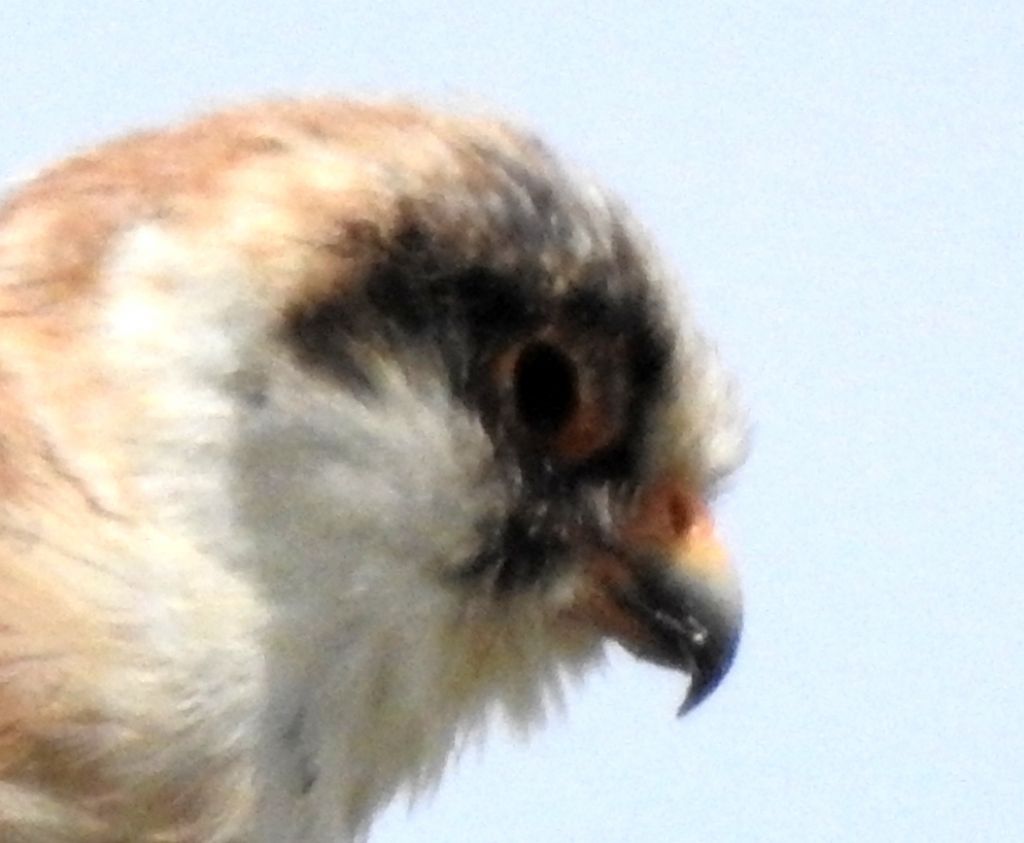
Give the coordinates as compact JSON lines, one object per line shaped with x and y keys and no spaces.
{"x":545,"y":387}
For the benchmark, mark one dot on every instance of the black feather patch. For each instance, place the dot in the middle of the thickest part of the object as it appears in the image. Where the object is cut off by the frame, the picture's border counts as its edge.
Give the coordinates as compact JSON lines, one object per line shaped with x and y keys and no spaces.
{"x":413,"y":307}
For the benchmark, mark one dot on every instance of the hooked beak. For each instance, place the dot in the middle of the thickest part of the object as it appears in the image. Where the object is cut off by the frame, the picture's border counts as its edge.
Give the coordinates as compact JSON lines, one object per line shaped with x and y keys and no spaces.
{"x":667,"y":591}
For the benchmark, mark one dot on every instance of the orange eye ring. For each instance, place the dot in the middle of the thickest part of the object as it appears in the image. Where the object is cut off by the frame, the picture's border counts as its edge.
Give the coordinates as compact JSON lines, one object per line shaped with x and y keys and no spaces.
{"x":557,"y":401}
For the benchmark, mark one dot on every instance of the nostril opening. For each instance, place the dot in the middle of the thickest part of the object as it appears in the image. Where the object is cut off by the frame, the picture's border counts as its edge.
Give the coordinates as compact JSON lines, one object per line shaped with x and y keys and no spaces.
{"x":667,"y":513}
{"x":680,"y":512}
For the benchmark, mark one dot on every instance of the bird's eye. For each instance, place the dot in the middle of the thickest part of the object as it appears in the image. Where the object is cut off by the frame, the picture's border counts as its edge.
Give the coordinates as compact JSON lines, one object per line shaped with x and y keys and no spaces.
{"x":545,"y":387}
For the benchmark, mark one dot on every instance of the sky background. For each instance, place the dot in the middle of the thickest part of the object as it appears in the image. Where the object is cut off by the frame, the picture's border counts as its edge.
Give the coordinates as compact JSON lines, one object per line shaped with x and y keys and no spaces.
{"x":841,"y":186}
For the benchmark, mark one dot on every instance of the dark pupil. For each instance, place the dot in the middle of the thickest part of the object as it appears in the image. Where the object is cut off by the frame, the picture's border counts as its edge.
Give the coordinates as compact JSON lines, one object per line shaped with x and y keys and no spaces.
{"x":545,"y":388}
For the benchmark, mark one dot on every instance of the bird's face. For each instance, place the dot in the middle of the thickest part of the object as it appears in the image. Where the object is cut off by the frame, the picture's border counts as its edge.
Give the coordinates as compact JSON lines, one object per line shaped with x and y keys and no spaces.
{"x":529,"y":424}
{"x":579,"y":473}
{"x":417,"y":393}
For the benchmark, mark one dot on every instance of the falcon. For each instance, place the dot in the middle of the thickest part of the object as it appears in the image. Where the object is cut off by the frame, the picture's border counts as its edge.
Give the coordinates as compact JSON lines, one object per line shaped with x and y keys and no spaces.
{"x":328,"y":430}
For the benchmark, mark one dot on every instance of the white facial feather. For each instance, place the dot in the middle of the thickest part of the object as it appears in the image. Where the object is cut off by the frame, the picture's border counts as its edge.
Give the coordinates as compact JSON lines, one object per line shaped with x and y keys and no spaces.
{"x":343,"y":513}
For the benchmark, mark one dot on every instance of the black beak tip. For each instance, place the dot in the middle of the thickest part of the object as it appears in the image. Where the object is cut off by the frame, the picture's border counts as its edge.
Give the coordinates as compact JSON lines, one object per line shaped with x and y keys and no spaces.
{"x":708,"y":663}
{"x":690,"y":627}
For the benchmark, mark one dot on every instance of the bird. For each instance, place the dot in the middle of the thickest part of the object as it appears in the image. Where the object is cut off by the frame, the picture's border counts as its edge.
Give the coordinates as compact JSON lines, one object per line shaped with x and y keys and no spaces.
{"x":329,"y":430}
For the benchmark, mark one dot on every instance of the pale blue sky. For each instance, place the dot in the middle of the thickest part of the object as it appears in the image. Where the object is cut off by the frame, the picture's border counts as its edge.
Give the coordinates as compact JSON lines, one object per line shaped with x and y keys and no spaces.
{"x":842,"y":186}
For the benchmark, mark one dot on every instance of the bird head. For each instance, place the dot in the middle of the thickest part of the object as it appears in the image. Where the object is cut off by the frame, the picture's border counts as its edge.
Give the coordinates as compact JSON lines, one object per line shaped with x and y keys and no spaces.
{"x":421,"y":391}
